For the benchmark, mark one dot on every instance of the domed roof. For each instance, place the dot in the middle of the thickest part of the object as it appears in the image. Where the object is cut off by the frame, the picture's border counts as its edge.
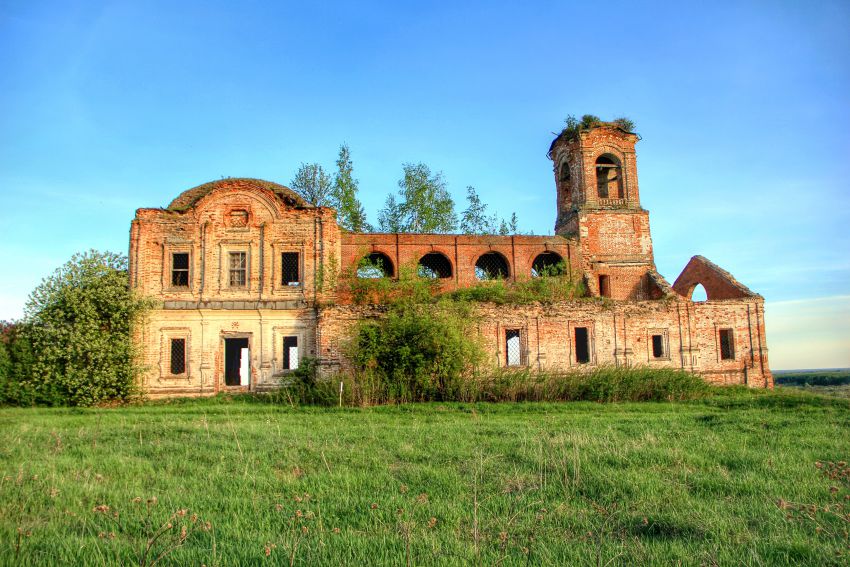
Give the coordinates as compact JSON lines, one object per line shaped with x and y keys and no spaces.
{"x":188,"y":198}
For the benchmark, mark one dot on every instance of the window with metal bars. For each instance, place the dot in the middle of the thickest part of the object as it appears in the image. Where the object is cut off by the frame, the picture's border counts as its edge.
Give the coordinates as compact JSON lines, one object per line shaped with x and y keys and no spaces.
{"x":547,"y":264}
{"x":180,"y":269}
{"x":289,"y":269}
{"x":513,"y":348}
{"x":727,"y":345}
{"x":434,"y":265}
{"x":491,"y":266}
{"x":178,"y":356}
{"x":238,"y":269}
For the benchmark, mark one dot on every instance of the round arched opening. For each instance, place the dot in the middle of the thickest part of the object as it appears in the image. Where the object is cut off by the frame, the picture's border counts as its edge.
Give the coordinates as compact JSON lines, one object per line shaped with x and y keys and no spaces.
{"x":491,"y":266}
{"x":375,"y":265}
{"x":548,"y":264}
{"x":434,"y":266}
{"x":608,"y":182}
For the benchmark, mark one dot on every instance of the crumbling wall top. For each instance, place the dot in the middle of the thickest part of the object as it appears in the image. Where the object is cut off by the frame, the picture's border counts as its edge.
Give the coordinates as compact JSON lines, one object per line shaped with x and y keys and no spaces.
{"x":718,"y":283}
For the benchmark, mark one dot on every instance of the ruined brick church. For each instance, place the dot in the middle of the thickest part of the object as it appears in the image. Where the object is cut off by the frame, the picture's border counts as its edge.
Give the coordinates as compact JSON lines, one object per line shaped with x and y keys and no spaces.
{"x":250,"y":279}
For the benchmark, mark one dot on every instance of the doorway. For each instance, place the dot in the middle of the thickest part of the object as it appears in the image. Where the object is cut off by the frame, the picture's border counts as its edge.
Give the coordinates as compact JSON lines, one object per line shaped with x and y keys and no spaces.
{"x":237,"y":367}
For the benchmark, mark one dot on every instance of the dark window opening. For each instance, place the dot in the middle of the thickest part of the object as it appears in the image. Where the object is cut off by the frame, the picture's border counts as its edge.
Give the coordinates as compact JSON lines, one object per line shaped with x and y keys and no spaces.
{"x":657,"y":346}
{"x":434,"y":265}
{"x":289,"y":269}
{"x":604,"y":286}
{"x":178,"y":356}
{"x":608,"y":182}
{"x":513,"y":347}
{"x":290,"y":353}
{"x":582,"y":341}
{"x":727,"y":345}
{"x":238,"y":269}
{"x":564,"y":174}
{"x":233,"y":366}
{"x":180,"y":269}
{"x":547,"y":264}
{"x":375,"y":265}
{"x":491,"y":266}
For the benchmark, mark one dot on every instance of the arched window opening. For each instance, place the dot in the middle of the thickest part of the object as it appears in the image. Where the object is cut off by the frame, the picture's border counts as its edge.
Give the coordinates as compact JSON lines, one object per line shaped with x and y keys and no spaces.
{"x":564,"y":173}
{"x":491,"y":266}
{"x":375,"y":265}
{"x":548,"y":264}
{"x":608,"y":179}
{"x":699,"y":293}
{"x":434,"y":266}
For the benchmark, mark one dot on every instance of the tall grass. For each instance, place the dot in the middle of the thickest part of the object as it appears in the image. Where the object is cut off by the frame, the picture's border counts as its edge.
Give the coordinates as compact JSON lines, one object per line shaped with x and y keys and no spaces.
{"x":602,"y":384}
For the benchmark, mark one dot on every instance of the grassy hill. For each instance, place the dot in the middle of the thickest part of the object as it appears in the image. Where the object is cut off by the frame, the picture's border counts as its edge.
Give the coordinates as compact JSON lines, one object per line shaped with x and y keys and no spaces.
{"x":717,"y":481}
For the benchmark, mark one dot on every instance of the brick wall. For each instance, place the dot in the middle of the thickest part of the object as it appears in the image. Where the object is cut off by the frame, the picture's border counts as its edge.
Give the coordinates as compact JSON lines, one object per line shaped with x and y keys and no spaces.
{"x":462,"y":251}
{"x":619,"y":334}
{"x":605,"y":242}
{"x":213,"y":228}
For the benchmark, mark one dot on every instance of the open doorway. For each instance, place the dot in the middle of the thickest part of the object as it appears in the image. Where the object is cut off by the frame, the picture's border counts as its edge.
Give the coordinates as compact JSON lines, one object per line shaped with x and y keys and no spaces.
{"x":237,"y":365}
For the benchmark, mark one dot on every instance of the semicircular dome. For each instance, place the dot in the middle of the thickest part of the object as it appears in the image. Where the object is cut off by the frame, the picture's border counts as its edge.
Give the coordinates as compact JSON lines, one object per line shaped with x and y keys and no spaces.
{"x":188,"y":198}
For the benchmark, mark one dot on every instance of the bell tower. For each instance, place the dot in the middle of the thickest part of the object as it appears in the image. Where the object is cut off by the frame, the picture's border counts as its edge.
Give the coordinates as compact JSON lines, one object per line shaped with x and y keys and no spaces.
{"x":599,"y":205}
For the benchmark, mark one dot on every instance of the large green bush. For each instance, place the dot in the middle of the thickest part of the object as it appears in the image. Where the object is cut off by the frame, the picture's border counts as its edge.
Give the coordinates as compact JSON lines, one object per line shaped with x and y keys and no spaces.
{"x":16,"y":364}
{"x":78,"y":322}
{"x":417,"y":352}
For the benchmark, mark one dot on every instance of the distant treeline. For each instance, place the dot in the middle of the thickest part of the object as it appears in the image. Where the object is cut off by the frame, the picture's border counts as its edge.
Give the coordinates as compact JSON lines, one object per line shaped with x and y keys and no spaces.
{"x":813,"y":378}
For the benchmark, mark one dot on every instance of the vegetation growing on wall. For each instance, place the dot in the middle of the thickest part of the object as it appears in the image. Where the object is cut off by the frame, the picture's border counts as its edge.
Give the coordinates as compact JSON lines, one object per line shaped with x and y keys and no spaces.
{"x":573,"y":125}
{"x":552,"y":284}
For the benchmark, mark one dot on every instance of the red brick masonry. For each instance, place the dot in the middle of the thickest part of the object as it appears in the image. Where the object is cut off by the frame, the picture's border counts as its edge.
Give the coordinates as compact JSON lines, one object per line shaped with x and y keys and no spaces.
{"x":602,"y":234}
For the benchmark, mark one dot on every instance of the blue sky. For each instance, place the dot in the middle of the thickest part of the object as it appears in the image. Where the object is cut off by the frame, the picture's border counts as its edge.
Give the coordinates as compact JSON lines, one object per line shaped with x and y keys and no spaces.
{"x":744,"y":109}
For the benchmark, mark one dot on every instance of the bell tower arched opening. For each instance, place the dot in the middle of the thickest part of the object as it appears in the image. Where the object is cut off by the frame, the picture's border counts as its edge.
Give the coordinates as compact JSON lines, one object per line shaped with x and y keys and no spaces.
{"x":609,"y":177}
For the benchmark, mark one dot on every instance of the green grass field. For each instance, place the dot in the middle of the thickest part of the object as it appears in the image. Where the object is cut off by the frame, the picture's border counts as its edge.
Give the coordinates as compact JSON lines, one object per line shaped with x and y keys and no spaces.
{"x":692,"y":483}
